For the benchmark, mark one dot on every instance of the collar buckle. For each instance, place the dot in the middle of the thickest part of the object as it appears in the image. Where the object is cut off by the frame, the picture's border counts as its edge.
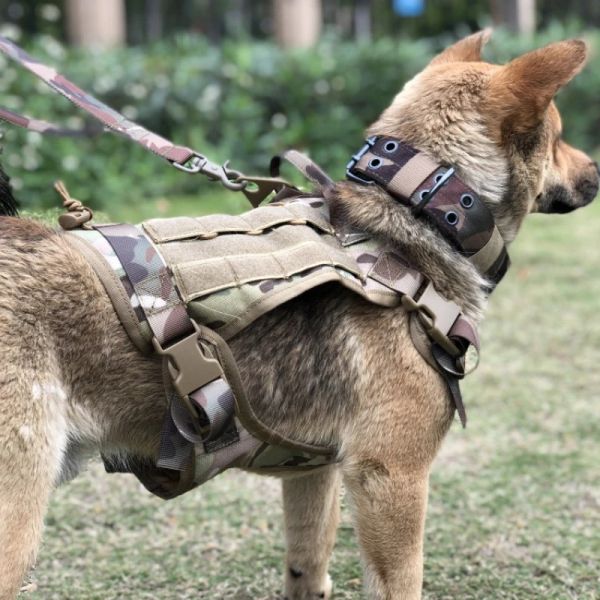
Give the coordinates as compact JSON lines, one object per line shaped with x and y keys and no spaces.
{"x":350,"y":174}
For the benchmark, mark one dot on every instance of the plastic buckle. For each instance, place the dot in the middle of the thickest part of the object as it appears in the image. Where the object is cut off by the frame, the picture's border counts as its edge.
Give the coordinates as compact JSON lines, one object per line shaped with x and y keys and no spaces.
{"x":369,"y":143}
{"x":437,"y":315}
{"x":189,"y":366}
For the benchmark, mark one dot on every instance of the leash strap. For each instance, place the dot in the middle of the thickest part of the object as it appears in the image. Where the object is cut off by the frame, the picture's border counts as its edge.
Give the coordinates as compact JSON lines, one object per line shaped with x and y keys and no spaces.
{"x":181,"y":157}
{"x":437,"y":193}
{"x":43,"y":126}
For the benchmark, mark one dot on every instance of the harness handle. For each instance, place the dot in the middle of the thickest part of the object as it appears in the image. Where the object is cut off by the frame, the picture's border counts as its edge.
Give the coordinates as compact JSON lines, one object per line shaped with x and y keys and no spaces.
{"x":181,"y":157}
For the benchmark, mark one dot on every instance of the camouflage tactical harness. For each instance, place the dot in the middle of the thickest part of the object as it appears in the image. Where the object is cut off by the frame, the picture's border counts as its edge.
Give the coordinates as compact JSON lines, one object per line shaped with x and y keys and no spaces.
{"x":182,"y":287}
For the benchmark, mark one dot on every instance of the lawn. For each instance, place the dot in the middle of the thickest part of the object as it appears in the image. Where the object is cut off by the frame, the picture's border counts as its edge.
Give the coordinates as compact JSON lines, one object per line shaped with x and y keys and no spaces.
{"x":515,"y":498}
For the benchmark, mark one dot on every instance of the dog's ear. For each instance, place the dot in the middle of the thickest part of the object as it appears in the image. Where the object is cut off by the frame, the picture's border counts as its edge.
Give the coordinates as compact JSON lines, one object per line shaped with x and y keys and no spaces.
{"x":524,"y":88}
{"x":466,"y":50}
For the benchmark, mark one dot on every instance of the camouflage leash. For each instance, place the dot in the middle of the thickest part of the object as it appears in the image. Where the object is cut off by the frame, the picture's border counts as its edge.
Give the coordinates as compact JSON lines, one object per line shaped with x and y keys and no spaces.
{"x":181,"y":157}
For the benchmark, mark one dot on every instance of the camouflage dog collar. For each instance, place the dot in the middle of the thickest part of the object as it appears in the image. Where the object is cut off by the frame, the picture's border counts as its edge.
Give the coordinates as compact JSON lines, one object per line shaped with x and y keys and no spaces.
{"x":435,"y":192}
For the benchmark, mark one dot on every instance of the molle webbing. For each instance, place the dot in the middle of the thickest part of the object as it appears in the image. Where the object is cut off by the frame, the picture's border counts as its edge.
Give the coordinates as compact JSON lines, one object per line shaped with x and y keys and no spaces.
{"x":232,"y":269}
{"x":437,"y":193}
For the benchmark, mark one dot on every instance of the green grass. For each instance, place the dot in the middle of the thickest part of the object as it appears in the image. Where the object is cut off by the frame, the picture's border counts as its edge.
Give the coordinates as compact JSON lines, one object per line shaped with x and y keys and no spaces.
{"x":515,"y":498}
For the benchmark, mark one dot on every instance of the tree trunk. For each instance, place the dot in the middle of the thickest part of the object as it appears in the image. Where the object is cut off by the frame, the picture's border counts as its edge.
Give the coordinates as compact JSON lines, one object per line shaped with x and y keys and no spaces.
{"x":96,"y":24}
{"x":154,"y":20}
{"x":362,"y":20}
{"x":297,"y":22}
{"x":517,"y":15}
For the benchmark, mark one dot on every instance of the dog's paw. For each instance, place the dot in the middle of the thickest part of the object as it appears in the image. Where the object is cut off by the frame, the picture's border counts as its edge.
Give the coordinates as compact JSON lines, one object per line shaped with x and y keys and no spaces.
{"x":298,"y":589}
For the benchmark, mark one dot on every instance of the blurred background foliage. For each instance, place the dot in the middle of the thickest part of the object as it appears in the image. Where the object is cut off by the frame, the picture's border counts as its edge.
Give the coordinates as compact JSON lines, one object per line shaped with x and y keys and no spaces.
{"x":149,"y":20}
{"x":240,"y":97}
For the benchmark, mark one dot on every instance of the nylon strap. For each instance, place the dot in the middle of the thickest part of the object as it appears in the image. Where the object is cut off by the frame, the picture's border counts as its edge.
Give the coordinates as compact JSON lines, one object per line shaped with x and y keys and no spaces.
{"x":411,"y":175}
{"x":450,"y":333}
{"x":107,"y":116}
{"x":43,"y":126}
{"x":306,"y":166}
{"x":148,"y":274}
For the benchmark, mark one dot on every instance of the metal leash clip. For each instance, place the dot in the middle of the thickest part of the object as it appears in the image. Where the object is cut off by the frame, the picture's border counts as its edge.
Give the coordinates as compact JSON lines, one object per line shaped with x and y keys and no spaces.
{"x":198,"y":163}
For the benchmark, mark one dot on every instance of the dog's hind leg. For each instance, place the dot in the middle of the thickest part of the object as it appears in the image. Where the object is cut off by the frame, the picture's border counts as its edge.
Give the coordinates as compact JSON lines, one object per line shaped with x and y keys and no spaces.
{"x":311,"y":504}
{"x":32,"y":440}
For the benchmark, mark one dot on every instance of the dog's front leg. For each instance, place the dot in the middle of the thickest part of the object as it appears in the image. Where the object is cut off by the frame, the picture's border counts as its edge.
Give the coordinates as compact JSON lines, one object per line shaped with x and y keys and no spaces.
{"x":311,"y":504}
{"x":389,"y":508}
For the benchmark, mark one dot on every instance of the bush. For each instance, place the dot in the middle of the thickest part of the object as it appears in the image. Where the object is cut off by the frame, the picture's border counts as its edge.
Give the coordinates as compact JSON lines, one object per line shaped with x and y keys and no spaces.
{"x":243,"y":101}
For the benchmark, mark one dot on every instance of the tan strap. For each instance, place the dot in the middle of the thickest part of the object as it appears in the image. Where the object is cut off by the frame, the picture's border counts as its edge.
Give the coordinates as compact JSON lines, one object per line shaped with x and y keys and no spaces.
{"x":487,"y":256}
{"x":243,"y":408}
{"x":392,"y":272}
{"x":412,"y":175}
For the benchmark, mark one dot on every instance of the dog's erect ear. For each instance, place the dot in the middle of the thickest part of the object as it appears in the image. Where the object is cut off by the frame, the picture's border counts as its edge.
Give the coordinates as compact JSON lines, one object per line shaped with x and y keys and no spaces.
{"x":466,"y":50}
{"x":524,"y":88}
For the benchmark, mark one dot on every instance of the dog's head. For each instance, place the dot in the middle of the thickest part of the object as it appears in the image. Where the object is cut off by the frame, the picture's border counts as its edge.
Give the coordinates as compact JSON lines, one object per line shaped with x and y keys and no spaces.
{"x":499,"y":126}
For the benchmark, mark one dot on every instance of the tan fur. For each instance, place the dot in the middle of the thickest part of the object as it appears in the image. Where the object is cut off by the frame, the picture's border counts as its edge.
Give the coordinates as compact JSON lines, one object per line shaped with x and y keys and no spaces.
{"x":71,"y":382}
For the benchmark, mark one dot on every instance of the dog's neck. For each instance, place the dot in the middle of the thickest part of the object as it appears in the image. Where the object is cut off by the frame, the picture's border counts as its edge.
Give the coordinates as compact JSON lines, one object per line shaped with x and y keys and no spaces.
{"x":454,"y":132}
{"x":373,"y":210}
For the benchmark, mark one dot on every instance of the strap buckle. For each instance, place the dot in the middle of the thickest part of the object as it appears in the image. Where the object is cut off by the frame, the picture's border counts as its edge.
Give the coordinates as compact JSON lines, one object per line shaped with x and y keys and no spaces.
{"x":198,"y":163}
{"x":437,"y":316}
{"x":434,"y":190}
{"x":189,"y":365}
{"x":350,"y":174}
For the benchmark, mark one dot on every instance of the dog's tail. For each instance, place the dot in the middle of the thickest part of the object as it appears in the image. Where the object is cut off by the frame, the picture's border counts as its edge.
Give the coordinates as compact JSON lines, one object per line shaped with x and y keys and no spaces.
{"x":8,"y":204}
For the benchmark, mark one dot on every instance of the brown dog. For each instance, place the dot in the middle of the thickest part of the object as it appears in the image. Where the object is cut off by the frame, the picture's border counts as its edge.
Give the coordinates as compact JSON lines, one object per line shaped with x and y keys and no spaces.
{"x":72,"y":382}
